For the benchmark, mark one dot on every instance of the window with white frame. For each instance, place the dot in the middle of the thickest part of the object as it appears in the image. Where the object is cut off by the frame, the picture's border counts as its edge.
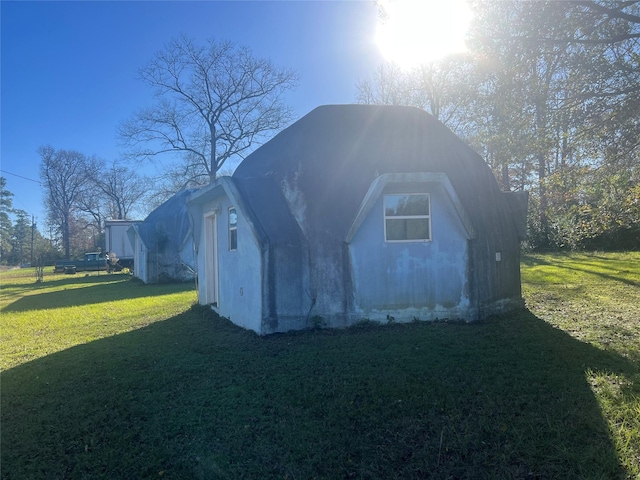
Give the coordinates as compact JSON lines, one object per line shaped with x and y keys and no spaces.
{"x":233,"y":229}
{"x":407,"y":217}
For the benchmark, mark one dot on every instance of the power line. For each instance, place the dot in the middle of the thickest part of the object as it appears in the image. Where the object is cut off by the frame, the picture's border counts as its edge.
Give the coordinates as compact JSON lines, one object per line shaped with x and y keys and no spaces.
{"x":15,"y":197}
{"x":20,"y":176}
{"x":24,"y":207}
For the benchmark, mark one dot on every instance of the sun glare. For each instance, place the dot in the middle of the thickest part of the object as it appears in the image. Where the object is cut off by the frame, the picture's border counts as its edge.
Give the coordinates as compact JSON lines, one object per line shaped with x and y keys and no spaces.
{"x":413,"y":32}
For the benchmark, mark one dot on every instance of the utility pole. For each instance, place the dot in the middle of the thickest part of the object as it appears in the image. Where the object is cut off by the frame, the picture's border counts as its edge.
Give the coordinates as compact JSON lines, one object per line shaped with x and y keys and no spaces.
{"x":33,"y":233}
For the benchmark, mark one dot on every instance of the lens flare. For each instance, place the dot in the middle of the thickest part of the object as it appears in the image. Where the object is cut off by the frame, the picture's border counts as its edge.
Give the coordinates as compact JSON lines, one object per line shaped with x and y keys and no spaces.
{"x":414,"y":32}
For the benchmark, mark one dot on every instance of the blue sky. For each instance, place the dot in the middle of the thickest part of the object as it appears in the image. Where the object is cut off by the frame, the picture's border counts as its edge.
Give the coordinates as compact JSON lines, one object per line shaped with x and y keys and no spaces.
{"x":69,"y":68}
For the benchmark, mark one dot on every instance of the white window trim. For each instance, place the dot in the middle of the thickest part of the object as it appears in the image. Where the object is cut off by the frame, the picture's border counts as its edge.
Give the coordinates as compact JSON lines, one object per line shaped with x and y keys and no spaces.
{"x":232,"y":228}
{"x":405,"y":217}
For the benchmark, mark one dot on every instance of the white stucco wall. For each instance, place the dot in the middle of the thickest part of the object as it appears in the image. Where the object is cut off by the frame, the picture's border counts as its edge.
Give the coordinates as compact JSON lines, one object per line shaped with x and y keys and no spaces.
{"x":239,"y":271}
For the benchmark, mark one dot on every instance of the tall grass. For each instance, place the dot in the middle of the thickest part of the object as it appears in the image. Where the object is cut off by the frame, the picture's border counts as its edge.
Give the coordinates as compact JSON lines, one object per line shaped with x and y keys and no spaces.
{"x":133,"y":381}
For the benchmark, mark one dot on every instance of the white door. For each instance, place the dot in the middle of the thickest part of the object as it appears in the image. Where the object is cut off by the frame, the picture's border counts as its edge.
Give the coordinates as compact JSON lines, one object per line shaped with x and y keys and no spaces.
{"x":211,"y":257}
{"x":140,"y":260}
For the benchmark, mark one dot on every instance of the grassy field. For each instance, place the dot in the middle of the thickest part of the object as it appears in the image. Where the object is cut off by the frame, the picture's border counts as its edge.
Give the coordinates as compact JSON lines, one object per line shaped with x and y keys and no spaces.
{"x":106,"y":378}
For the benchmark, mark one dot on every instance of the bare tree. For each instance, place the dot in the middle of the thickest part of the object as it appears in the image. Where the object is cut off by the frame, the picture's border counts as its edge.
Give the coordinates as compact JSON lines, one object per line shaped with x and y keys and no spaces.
{"x":441,"y":87}
{"x":215,"y":102}
{"x":123,"y":188}
{"x":609,"y":22}
{"x":66,"y":175}
{"x":92,"y":204}
{"x":389,"y":85}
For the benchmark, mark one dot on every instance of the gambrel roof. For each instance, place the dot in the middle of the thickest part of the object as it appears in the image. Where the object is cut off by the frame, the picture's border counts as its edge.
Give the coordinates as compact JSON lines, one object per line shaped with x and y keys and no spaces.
{"x":327,"y":160}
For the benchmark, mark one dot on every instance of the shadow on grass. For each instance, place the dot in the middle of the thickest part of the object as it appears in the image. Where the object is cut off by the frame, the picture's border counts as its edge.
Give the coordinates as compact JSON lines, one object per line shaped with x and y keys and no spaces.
{"x":92,"y":290}
{"x":51,"y":279}
{"x":20,"y":287}
{"x":195,"y":397}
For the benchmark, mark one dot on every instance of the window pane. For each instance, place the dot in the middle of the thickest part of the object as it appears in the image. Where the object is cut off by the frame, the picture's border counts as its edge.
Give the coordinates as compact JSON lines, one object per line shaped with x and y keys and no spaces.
{"x":401,"y":205}
{"x":233,"y":229}
{"x":407,"y":229}
{"x":418,"y":229}
{"x":396,"y":230}
{"x":233,"y":239}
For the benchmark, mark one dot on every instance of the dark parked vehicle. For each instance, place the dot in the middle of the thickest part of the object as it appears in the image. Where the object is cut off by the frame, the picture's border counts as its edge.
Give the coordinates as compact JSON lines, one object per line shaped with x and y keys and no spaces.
{"x":93,"y":261}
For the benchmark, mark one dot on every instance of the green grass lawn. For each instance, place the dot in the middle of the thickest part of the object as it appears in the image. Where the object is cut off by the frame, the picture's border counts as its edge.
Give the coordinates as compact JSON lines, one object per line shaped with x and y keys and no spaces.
{"x":104,"y":377}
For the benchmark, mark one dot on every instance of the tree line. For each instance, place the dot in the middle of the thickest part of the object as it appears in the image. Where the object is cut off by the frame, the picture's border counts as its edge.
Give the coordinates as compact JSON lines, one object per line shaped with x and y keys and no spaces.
{"x":20,"y":240}
{"x":549,"y":95}
{"x":80,"y":193}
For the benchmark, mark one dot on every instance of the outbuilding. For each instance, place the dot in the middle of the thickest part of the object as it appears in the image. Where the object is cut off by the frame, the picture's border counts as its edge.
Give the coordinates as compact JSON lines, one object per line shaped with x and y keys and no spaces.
{"x":358,"y":212}
{"x":163,"y":244}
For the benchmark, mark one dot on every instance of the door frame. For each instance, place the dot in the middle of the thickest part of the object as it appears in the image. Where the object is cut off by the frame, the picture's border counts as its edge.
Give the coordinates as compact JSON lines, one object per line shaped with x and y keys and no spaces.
{"x":211,"y":258}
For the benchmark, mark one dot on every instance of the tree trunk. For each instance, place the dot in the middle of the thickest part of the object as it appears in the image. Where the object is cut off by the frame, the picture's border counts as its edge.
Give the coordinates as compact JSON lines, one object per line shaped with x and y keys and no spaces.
{"x":506,"y":184}
{"x":544,"y":201}
{"x":66,"y":238}
{"x":213,"y":161}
